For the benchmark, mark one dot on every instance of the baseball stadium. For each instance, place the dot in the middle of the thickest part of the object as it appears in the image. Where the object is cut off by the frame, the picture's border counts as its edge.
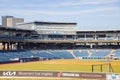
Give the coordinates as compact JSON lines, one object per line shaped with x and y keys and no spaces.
{"x":57,"y":51}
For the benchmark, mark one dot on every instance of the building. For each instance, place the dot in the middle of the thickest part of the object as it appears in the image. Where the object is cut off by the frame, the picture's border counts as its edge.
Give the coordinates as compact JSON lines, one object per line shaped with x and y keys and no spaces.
{"x":37,"y":40}
{"x":55,"y":35}
{"x":10,"y":21}
{"x":53,"y":28}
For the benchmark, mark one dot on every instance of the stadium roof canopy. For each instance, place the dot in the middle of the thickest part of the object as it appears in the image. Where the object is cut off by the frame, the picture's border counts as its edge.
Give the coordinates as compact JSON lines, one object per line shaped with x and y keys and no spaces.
{"x":106,"y":31}
{"x":41,"y":22}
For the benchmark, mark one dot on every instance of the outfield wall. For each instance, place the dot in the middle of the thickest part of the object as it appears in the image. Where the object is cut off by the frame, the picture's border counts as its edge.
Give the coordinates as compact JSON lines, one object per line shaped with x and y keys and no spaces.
{"x":58,"y":74}
{"x":54,"y":74}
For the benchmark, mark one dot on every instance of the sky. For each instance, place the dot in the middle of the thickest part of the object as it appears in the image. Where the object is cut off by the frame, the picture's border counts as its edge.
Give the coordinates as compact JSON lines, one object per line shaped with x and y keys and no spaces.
{"x":88,"y":14}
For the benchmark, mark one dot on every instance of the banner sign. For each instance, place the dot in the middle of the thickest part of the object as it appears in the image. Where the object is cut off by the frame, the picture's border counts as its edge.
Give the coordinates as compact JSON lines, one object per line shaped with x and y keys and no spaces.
{"x":51,"y":74}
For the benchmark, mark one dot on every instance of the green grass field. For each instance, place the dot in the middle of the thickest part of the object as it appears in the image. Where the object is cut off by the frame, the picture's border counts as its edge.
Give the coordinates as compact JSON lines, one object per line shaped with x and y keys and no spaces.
{"x":62,"y":65}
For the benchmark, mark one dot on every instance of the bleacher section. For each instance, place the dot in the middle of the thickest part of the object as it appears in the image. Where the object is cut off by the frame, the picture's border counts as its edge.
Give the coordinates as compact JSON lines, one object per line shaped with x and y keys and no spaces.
{"x":62,"y":54}
{"x":116,"y":53}
{"x":91,"y":54}
{"x":56,"y":54}
{"x":99,"y":53}
{"x":80,"y":53}
{"x":42,"y":54}
{"x":13,"y":55}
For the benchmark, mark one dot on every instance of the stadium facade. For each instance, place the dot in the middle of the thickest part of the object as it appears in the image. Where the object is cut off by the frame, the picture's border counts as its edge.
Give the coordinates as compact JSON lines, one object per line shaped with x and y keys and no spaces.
{"x":47,"y":37}
{"x":55,"y":35}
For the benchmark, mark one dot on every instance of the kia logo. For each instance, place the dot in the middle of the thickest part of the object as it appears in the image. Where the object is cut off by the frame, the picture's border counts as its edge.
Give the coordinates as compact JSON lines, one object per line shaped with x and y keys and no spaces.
{"x":9,"y":73}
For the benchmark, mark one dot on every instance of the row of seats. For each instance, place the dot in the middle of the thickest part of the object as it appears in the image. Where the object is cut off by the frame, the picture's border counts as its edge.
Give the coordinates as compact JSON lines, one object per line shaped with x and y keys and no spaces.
{"x":116,"y":53}
{"x":46,"y":54}
{"x":56,"y":54}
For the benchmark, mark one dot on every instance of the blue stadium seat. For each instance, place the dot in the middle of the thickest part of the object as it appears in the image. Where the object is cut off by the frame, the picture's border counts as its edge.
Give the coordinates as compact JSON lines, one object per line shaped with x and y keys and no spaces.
{"x":55,"y":54}
{"x":116,"y":53}
{"x":82,"y":53}
{"x":100,"y":53}
{"x":62,"y":54}
{"x":46,"y":54}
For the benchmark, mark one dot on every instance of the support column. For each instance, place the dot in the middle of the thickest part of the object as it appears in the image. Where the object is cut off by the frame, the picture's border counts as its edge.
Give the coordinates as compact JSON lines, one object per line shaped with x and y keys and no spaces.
{"x":18,"y":46}
{"x":95,"y":37}
{"x":3,"y":45}
{"x":91,"y":45}
{"x":118,"y":45}
{"x":96,"y":45}
{"x":15,"y":46}
{"x":85,"y":37}
{"x":11,"y":46}
{"x":85,"y":45}
{"x":8,"y":48}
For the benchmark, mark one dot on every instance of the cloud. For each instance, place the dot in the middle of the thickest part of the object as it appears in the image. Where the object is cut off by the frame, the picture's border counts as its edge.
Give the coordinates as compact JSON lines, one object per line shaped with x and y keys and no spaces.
{"x":100,"y":9}
{"x":60,"y":12}
{"x":88,"y":2}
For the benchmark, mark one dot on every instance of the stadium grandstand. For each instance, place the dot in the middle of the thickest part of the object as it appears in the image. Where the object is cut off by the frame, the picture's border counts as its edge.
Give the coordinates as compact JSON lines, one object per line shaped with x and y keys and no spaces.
{"x":56,"y":40}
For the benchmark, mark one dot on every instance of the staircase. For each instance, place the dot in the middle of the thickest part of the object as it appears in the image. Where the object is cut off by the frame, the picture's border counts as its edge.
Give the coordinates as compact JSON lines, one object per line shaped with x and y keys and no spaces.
{"x":71,"y":51}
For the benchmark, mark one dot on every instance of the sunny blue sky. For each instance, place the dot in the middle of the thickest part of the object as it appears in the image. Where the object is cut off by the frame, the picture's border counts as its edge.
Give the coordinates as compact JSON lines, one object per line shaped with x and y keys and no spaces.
{"x":89,"y":14}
